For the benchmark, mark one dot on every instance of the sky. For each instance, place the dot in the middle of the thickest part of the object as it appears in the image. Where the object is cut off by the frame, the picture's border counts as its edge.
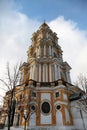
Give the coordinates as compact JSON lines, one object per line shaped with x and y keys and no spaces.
{"x":20,"y":18}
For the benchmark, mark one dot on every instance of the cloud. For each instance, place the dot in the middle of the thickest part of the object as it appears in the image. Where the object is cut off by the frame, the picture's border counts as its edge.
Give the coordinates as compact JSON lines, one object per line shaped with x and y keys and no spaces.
{"x":15,"y":33}
{"x":74,"y":44}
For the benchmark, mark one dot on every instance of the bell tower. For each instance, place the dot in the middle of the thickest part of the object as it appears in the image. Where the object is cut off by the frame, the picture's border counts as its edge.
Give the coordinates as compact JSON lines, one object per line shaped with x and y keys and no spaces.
{"x":45,"y":57}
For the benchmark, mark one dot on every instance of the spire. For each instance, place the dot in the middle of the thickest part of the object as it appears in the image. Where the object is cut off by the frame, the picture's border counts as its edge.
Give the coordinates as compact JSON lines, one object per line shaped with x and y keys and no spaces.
{"x":44,"y":24}
{"x":44,"y":21}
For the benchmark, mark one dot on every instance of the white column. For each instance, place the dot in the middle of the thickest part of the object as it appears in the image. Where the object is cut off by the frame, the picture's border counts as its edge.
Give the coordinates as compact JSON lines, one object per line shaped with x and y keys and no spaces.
{"x":47,"y":35}
{"x":34,"y":71}
{"x":50,"y":72}
{"x":41,"y":35}
{"x":22,"y":77}
{"x":52,"y":50}
{"x":68,"y":77}
{"x":44,"y":50}
{"x":39,"y":72}
{"x":49,"y":50}
{"x":53,"y":72}
{"x":56,"y":77}
{"x":46,"y":72}
{"x":43,"y":72}
{"x":31,"y":73}
{"x":39,"y":51}
{"x":59,"y":75}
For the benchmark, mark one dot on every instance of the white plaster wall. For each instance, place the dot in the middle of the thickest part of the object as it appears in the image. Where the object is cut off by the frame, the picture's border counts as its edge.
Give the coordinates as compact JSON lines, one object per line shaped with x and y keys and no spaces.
{"x":78,"y":121}
{"x":64,"y":96}
{"x":15,"y":119}
{"x":85,"y":118}
{"x":46,"y":119}
{"x":64,"y":128}
{"x":82,"y":121}
{"x":23,"y":120}
{"x":85,"y":122}
{"x":67,"y":115}
{"x":78,"y":124}
{"x":6,"y":121}
{"x":45,"y":96}
{"x":52,"y":128}
{"x":32,"y":120}
{"x":59,"y":120}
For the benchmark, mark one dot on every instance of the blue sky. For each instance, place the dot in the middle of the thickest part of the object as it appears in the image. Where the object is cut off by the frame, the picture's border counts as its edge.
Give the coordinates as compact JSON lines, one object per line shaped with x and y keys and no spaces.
{"x":75,"y":10}
{"x":20,"y":18}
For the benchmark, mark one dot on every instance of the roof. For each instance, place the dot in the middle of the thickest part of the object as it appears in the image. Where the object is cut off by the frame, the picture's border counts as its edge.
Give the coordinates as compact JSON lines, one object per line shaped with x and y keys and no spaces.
{"x":75,"y":96}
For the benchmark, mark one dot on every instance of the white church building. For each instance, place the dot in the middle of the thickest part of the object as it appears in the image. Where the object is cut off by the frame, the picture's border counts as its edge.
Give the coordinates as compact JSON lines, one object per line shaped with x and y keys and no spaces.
{"x":46,"y":94}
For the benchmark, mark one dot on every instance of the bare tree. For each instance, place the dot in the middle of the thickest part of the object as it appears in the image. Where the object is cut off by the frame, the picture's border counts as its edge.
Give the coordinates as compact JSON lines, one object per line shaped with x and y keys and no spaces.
{"x":82,"y":83}
{"x":12,"y":77}
{"x":11,"y":82}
